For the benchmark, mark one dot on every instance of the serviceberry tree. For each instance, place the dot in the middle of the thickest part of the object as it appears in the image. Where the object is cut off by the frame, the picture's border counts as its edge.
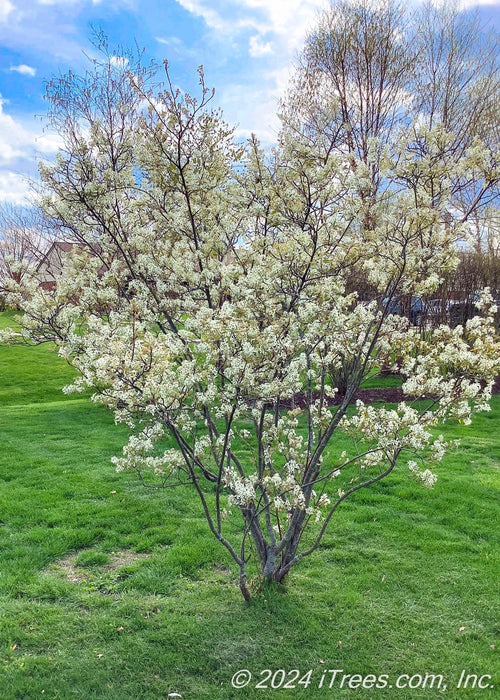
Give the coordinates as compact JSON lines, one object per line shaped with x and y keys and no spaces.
{"x":205,"y":304}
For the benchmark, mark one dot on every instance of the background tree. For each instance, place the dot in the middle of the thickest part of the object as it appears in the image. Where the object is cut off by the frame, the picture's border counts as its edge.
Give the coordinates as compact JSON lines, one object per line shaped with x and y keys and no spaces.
{"x":221,"y":322}
{"x":351,"y":82}
{"x":479,"y":267}
{"x":25,"y":235}
{"x":371,"y":68}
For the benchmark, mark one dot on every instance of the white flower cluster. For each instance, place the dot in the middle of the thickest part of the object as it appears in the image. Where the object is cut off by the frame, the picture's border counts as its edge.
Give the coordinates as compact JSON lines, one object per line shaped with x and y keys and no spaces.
{"x":427,"y":477}
{"x":137,"y":454}
{"x":390,"y":432}
{"x":242,"y":488}
{"x":390,"y":429}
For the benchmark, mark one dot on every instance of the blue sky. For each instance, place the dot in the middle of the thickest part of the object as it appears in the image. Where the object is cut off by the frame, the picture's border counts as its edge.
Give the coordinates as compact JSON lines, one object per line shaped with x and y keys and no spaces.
{"x":245,"y":46}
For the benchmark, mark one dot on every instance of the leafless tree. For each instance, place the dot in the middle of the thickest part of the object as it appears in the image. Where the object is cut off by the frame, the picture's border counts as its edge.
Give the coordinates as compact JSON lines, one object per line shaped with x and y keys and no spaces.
{"x":352,"y":77}
{"x":25,"y":235}
{"x":371,"y":68}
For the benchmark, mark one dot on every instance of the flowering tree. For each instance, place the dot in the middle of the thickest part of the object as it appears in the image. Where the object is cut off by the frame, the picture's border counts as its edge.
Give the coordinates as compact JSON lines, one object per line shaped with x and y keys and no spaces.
{"x":206,"y":305}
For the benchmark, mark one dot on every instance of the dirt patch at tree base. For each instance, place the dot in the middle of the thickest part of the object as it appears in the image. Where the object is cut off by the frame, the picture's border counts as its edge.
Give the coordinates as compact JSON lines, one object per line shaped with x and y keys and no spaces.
{"x":77,"y":574}
{"x":385,"y":394}
{"x":392,"y":394}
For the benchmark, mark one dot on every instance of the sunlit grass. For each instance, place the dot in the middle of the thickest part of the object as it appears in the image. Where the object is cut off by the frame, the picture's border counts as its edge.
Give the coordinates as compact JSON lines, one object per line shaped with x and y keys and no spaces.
{"x":406,"y":582}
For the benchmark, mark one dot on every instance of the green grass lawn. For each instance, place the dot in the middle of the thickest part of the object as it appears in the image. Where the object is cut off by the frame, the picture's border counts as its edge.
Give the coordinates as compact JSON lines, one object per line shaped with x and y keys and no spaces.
{"x":110,"y":590}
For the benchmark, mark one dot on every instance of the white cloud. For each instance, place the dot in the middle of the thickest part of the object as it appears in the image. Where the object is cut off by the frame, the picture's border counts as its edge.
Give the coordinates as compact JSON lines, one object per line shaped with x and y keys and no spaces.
{"x":256,"y":110}
{"x":175,"y":44}
{"x":19,"y":149}
{"x":169,"y":40}
{"x":13,"y":136}
{"x":253,"y":109}
{"x":289,"y":19}
{"x":230,"y":18}
{"x":119,"y":61}
{"x":23,"y":69}
{"x":466,"y":4}
{"x":211,"y":16}
{"x":65,"y":2}
{"x":258,"y":48}
{"x":6,"y":8}
{"x":47,"y":144}
{"x":14,"y":188}
{"x":277,"y":29}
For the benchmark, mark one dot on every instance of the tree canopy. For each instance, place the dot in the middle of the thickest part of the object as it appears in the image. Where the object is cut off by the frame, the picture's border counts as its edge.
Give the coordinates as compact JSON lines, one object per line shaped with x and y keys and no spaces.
{"x":207,"y":302}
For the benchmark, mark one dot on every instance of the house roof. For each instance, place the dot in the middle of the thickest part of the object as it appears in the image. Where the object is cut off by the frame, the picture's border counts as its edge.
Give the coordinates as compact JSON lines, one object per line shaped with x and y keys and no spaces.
{"x":65,"y":246}
{"x":58,"y":246}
